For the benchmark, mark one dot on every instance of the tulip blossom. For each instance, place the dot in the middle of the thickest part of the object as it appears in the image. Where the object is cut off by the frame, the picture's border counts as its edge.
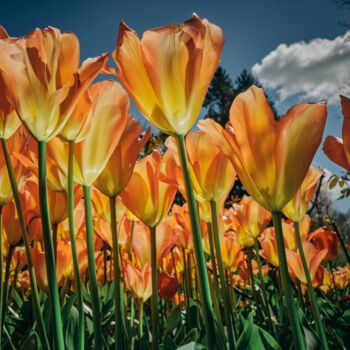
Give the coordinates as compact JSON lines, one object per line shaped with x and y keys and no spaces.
{"x":341,"y":277}
{"x":269,"y":246}
{"x":265,"y":152}
{"x":314,"y":259}
{"x":9,"y":120}
{"x":289,"y":234}
{"x":109,"y":118}
{"x":338,"y":150}
{"x":141,"y":244}
{"x":297,"y":207}
{"x":138,"y":281}
{"x":154,"y":197}
{"x":248,"y":219}
{"x":168,"y":71}
{"x":168,"y":285}
{"x":11,"y":224}
{"x":43,"y":79}
{"x":325,"y":238}
{"x":118,"y":170}
{"x":231,"y":252}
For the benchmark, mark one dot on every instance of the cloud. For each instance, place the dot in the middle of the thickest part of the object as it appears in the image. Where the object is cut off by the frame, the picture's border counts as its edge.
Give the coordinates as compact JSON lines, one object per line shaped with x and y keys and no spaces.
{"x":312,"y":71}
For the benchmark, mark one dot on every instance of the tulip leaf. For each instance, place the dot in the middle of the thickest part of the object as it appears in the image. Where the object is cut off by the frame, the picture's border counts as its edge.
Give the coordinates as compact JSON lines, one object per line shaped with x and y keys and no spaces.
{"x":192,"y":346}
{"x":174,"y":319}
{"x":255,"y":338}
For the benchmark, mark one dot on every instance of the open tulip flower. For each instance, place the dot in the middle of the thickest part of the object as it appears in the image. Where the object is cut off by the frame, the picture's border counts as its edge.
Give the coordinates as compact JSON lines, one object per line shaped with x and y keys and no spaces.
{"x":265,"y":167}
{"x":314,"y":259}
{"x":325,"y":238}
{"x":43,"y":79}
{"x":168,"y":71}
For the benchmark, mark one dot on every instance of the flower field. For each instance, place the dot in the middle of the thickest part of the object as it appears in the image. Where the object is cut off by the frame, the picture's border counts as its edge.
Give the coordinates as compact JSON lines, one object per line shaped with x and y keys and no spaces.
{"x":111,"y":242}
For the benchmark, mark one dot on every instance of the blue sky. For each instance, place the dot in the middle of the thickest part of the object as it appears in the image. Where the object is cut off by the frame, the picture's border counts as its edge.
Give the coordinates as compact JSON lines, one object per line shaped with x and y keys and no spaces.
{"x":253,"y":29}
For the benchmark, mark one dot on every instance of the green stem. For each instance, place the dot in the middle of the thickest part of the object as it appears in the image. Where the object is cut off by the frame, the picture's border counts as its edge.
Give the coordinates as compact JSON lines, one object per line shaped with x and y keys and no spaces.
{"x":77,"y":279}
{"x":198,"y":247}
{"x":154,"y":300}
{"x":263,"y":287}
{"x":213,"y":261}
{"x":140,"y":324}
{"x":251,"y":274}
{"x":299,"y":342}
{"x":226,"y":298}
{"x":119,"y":305}
{"x":311,"y":290}
{"x":49,"y":250}
{"x":6,"y":285}
{"x":96,"y":313}
{"x":33,"y":284}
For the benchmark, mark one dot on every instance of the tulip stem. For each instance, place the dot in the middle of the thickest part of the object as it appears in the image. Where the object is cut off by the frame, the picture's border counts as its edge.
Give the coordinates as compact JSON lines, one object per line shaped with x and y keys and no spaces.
{"x":311,"y":290}
{"x":33,"y":284}
{"x":154,"y":300}
{"x":263,"y":287}
{"x":207,"y":305}
{"x":77,"y":279}
{"x":226,"y":297}
{"x":119,"y":305}
{"x":140,"y":323}
{"x":49,"y":250}
{"x":299,"y":341}
{"x":96,"y":313}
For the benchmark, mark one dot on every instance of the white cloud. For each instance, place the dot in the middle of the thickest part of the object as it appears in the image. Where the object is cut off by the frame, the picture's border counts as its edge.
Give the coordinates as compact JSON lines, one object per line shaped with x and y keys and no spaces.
{"x":313,"y":71}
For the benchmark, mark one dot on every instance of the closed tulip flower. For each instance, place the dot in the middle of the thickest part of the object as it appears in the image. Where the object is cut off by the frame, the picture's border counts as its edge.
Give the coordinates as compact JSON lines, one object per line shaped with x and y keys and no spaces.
{"x":297,"y":207}
{"x":11,"y":224}
{"x":109,"y":118}
{"x":232,"y":252}
{"x":336,"y":149}
{"x":271,"y":158}
{"x":249,"y":219}
{"x":157,"y":196}
{"x":116,"y":174}
{"x":269,"y":246}
{"x":139,"y":281}
{"x":43,"y":79}
{"x":168,"y":71}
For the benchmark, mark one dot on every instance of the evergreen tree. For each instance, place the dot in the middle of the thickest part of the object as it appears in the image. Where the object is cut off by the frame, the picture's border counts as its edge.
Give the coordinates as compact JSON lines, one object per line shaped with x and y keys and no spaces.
{"x":222,"y":91}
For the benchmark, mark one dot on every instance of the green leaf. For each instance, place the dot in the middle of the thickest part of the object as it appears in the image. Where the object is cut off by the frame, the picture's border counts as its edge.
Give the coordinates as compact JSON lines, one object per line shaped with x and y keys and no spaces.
{"x":192,"y":346}
{"x":174,"y":319}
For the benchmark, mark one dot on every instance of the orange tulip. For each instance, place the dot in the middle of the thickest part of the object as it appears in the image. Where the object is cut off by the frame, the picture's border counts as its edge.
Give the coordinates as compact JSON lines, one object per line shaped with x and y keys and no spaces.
{"x":139,"y":281}
{"x":154,"y":197}
{"x":11,"y":224}
{"x":232,"y":252}
{"x":109,"y":118}
{"x":63,"y":263}
{"x":9,"y":120}
{"x":325,"y":238}
{"x":141,"y":244}
{"x":297,"y":207}
{"x":116,"y":174}
{"x":43,"y":79}
{"x":327,"y":283}
{"x":313,"y":256}
{"x":80,"y":120}
{"x":271,"y":158}
{"x":211,"y":171}
{"x":289,"y":235}
{"x":168,"y":71}
{"x":338,"y":150}
{"x":248,"y":220}
{"x":341,"y":277}
{"x":269,"y":246}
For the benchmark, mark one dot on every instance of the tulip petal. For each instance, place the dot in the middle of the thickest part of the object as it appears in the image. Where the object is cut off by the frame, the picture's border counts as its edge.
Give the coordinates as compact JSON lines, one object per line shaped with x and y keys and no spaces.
{"x":334,"y":149}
